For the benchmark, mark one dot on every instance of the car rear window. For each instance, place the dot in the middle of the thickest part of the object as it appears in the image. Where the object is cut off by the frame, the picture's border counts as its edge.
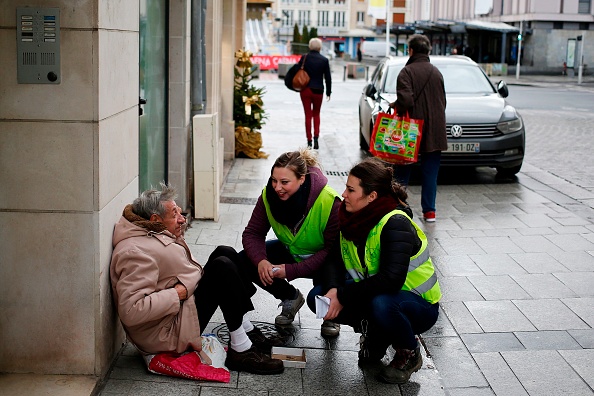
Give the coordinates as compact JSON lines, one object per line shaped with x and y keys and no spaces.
{"x":457,"y":79}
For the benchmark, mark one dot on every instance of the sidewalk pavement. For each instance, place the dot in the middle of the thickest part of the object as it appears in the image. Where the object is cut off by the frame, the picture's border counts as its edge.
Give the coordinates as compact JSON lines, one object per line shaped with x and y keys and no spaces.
{"x":515,"y":259}
{"x":515,"y":263}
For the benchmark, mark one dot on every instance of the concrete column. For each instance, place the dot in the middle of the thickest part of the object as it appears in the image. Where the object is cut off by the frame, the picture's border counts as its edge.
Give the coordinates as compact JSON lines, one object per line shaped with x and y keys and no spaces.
{"x":69,"y":164}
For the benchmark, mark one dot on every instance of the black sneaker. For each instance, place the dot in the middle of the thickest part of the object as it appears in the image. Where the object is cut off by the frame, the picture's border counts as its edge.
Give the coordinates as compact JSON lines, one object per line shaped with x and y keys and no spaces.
{"x":263,"y":343}
{"x":253,"y":361}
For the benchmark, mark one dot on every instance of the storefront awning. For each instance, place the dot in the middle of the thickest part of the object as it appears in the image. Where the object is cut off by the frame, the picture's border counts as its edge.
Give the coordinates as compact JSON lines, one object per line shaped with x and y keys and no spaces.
{"x":493,"y":26}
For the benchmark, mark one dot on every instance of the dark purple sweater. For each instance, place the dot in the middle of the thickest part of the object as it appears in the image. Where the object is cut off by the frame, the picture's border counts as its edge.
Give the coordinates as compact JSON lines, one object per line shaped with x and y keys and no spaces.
{"x":254,"y":235}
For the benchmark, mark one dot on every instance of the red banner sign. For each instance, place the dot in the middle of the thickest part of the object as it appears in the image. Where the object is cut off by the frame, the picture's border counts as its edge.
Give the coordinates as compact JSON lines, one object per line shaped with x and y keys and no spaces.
{"x":270,"y":62}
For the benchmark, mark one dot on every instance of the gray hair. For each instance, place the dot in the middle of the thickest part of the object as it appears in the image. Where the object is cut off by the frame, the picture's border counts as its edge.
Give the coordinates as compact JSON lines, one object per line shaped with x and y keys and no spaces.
{"x":151,"y":201}
{"x":315,"y":44}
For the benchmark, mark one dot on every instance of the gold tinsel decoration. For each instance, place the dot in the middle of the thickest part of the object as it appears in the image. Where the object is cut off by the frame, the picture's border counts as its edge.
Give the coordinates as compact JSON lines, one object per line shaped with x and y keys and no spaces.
{"x":248,"y":142}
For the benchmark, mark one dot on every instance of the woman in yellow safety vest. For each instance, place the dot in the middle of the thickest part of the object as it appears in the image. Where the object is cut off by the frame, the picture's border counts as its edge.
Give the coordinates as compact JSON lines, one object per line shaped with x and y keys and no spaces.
{"x":380,"y":279}
{"x":302,"y":211}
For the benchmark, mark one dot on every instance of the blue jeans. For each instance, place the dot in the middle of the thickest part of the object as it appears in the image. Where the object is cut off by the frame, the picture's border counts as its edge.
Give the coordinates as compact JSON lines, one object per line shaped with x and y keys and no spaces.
{"x":429,"y":169}
{"x":392,"y":318}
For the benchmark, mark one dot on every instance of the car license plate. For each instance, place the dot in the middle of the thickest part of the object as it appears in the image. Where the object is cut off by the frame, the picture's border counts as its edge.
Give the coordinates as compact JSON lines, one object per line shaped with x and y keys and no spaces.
{"x":464,"y":147}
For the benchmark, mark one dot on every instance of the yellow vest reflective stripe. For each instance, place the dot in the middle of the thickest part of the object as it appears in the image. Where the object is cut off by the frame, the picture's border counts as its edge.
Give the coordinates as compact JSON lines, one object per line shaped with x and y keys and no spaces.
{"x":420,"y":279}
{"x":310,"y":237}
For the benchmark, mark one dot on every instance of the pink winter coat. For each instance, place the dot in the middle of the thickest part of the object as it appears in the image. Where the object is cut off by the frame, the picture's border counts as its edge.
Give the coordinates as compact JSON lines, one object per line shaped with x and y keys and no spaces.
{"x":145,"y":266}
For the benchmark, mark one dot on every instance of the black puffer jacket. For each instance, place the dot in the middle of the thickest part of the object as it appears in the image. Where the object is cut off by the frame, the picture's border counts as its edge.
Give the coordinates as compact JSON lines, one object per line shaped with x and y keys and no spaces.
{"x":318,"y":69}
{"x":399,"y":242}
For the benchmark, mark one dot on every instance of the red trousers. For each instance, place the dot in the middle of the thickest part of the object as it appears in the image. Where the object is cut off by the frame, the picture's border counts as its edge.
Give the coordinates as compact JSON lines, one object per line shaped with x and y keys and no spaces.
{"x":312,"y":103}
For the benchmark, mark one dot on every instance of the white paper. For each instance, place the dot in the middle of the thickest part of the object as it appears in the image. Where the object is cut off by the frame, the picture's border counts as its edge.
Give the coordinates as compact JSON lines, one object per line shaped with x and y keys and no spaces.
{"x":322,"y":305}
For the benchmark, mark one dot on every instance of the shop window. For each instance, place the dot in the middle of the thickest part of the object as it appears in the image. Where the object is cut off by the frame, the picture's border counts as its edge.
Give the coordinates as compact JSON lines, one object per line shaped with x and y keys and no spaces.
{"x":584,"y":6}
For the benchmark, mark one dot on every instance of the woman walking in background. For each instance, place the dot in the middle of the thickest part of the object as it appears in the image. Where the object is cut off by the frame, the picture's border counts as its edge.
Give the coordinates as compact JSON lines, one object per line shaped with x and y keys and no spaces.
{"x":318,"y":69}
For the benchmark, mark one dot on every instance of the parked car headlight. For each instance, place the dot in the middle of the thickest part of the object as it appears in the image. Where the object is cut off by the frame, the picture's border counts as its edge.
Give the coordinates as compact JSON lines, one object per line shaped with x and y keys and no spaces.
{"x":510,"y":120}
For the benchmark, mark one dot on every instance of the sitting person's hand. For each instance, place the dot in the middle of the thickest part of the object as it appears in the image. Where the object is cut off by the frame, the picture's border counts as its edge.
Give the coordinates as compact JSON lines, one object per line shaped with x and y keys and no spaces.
{"x":181,"y":290}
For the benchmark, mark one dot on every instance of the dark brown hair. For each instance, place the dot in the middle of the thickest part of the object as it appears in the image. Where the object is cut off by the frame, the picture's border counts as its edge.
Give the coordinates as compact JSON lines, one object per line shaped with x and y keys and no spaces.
{"x":378,"y":176}
{"x":420,"y":44}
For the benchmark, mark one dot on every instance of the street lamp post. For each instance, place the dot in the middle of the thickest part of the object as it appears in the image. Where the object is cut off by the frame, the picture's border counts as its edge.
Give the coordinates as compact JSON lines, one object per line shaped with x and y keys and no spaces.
{"x":520,"y":38}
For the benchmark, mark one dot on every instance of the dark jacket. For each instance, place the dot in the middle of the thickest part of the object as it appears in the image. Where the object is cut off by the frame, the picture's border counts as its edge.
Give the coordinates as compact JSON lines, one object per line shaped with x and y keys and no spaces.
{"x":318,"y":69}
{"x":399,"y":242}
{"x":254,"y":235}
{"x":421,"y":92}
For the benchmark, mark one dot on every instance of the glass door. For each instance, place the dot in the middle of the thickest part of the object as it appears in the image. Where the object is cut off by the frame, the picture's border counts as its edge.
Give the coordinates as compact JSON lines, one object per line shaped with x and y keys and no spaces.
{"x":153,"y":89}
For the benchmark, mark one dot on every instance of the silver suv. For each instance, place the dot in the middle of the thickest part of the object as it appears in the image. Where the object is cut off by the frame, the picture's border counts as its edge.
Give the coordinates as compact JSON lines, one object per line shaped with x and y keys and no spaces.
{"x":482,"y":128}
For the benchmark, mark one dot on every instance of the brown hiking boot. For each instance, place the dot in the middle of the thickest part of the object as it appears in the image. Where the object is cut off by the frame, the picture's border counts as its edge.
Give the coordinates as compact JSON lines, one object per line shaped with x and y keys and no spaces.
{"x":405,"y":362}
{"x":253,"y":361}
{"x":263,"y":343}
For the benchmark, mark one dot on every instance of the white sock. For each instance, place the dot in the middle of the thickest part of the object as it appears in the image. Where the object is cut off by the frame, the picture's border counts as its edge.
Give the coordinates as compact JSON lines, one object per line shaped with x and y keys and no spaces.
{"x":247,"y":325}
{"x":240,"y":342}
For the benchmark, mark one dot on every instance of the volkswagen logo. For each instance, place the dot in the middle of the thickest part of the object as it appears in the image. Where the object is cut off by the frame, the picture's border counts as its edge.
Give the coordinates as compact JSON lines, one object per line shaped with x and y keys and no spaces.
{"x":456,"y":131}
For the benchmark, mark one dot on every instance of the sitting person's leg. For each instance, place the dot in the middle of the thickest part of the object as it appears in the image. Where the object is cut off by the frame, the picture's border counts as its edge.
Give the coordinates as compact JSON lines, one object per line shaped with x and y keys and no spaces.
{"x":222,"y":285}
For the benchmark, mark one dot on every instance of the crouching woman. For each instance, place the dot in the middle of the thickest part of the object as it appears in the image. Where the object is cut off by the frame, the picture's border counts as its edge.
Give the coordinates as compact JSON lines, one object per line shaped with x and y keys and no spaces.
{"x":380,"y":279}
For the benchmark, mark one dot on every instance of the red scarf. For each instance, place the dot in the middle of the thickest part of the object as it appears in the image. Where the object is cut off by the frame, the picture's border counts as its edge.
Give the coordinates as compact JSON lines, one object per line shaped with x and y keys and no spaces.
{"x":356,"y":226}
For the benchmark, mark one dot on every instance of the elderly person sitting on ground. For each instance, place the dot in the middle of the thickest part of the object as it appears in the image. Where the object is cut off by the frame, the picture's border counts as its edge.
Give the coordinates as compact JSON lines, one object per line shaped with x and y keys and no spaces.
{"x":165,"y":298}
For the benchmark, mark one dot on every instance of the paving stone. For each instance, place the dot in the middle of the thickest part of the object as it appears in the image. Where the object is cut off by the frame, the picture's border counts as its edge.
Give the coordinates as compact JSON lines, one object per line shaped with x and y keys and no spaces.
{"x":497,"y":245}
{"x":458,"y":288}
{"x":497,"y":287}
{"x":468,"y":222}
{"x":498,"y":316}
{"x":491,"y":342}
{"x":456,"y":265}
{"x":456,"y":367}
{"x":583,"y":307}
{"x":331,"y":372}
{"x":538,"y":263}
{"x":545,"y":373}
{"x":550,"y":314}
{"x":497,"y":264}
{"x":571,"y":243}
{"x":460,"y":317}
{"x":459,"y":246}
{"x":582,"y":362}
{"x":535,"y":244}
{"x":580,"y":282}
{"x":575,"y":261}
{"x":583,"y":337}
{"x":547,"y":340}
{"x":502,"y":232}
{"x":543,"y":286}
{"x":499,"y":375}
{"x":537,"y":220}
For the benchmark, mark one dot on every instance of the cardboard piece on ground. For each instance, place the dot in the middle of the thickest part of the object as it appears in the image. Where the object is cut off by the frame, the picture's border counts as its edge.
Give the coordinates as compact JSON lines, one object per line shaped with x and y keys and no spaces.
{"x":291,"y":357}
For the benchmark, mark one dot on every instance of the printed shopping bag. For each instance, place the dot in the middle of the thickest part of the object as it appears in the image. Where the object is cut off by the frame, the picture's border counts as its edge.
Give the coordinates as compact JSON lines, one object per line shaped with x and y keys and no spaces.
{"x":396,"y":139}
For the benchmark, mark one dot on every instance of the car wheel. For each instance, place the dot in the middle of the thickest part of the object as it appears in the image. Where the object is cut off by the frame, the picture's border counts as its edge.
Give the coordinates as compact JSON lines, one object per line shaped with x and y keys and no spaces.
{"x":362,"y":142}
{"x":508,"y":171}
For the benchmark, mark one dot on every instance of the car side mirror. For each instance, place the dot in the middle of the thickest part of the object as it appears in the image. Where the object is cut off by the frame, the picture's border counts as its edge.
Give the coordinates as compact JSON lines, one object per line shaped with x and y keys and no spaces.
{"x":370,"y":90}
{"x":502,"y":89}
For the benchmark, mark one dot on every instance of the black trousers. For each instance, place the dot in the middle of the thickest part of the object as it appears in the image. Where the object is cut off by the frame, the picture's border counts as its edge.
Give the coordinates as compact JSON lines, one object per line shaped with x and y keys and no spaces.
{"x":224,"y":285}
{"x":277,"y":254}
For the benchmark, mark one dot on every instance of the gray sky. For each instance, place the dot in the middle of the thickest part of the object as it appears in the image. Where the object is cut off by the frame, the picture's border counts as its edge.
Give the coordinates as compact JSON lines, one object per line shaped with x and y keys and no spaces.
{"x":482,"y":6}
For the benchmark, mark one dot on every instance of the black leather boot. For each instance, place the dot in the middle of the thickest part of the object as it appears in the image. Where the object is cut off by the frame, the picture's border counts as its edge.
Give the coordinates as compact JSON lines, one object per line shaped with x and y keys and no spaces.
{"x":316,"y":145}
{"x":309,"y":144}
